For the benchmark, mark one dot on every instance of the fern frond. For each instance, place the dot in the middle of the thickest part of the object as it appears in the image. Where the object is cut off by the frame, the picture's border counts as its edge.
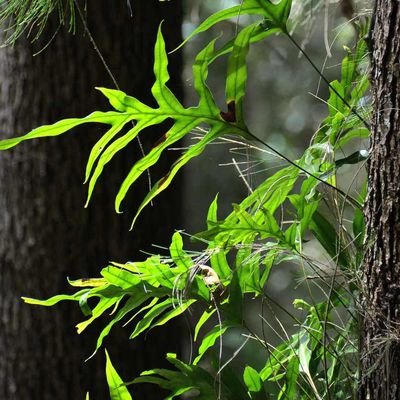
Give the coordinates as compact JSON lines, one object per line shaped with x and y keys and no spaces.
{"x":129,"y":109}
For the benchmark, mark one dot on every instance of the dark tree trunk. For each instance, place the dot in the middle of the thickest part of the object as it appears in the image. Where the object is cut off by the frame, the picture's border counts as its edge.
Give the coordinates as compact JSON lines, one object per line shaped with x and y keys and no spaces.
{"x":45,"y":233}
{"x":380,"y":362}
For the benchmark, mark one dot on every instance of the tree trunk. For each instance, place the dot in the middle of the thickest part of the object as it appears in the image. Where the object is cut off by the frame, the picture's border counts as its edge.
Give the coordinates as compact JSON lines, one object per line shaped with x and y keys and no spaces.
{"x":380,"y":362}
{"x":45,"y":233}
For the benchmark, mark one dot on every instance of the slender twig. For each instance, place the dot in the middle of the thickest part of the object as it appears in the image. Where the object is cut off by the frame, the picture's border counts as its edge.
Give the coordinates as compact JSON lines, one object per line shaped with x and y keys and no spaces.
{"x":109,"y":73}
{"x":348,"y":198}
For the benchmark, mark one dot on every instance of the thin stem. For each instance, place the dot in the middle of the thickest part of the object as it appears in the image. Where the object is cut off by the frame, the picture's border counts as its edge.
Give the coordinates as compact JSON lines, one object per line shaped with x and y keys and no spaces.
{"x":346,"y":197}
{"x":96,"y":48}
{"x":109,"y":73}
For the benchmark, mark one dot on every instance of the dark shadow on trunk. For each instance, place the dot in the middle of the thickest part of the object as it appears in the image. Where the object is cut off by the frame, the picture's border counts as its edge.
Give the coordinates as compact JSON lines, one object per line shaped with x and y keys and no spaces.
{"x":45,"y":233}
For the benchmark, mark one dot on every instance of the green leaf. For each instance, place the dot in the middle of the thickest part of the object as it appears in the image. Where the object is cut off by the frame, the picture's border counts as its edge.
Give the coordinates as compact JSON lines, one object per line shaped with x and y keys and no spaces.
{"x":200,"y":73}
{"x":179,"y":257}
{"x":304,"y":354}
{"x":252,"y":379}
{"x":55,"y":299}
{"x":351,"y":64}
{"x":152,"y":271}
{"x":292,"y":374}
{"x":132,"y":303}
{"x":219,"y":262}
{"x":103,"y":142}
{"x":212,"y":216}
{"x":272,"y":192}
{"x":119,"y":277}
{"x":117,"y":146}
{"x":237,"y":72}
{"x":165,"y":98}
{"x":275,"y":15}
{"x":202,"y":320}
{"x":268,"y":262}
{"x":335,"y":103}
{"x":359,"y":90}
{"x":193,"y":151}
{"x":178,"y":310}
{"x":87,"y":282}
{"x":245,"y":227}
{"x":218,"y":259}
{"x":248,"y":269}
{"x":61,"y":127}
{"x":359,"y":227}
{"x":328,"y":237}
{"x":118,"y":390}
{"x":260,"y":32}
{"x":359,"y":133}
{"x":279,"y":357}
{"x":234,"y":310}
{"x":156,"y":310}
{"x":247,"y":8}
{"x":209,"y":340}
{"x":103,"y":305}
{"x":305,"y":359}
{"x":181,"y":380}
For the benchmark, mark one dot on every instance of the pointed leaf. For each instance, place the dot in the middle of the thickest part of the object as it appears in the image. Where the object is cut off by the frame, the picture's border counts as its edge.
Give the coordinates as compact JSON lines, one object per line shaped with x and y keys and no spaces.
{"x":55,"y":299}
{"x":252,"y":379}
{"x":194,"y":151}
{"x":237,"y":71}
{"x":61,"y":127}
{"x":117,"y":146}
{"x":165,"y":98}
{"x":118,"y":390}
{"x":202,"y":320}
{"x":133,"y":302}
{"x":178,"y":310}
{"x":178,"y":255}
{"x":200,"y":73}
{"x":177,"y":132}
{"x":149,"y":317}
{"x":209,"y":341}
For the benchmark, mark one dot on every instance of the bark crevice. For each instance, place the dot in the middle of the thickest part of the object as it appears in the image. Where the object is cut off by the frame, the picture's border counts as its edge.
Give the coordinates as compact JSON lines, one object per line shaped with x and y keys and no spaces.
{"x":380,"y":342}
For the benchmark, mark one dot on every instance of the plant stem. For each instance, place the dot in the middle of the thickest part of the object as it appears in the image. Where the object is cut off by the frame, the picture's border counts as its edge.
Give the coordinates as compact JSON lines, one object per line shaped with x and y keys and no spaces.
{"x":345,"y":196}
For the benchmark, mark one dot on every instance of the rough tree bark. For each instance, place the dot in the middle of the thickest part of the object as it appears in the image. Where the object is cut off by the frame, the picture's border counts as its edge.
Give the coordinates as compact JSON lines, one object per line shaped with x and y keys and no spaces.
{"x":45,"y":233}
{"x":380,"y":362}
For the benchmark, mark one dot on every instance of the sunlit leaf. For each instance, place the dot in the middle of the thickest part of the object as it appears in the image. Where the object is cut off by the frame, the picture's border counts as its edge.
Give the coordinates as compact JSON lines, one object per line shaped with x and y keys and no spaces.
{"x":118,"y":390}
{"x":252,"y":379}
{"x":131,"y":110}
{"x":209,"y":340}
{"x":275,"y":15}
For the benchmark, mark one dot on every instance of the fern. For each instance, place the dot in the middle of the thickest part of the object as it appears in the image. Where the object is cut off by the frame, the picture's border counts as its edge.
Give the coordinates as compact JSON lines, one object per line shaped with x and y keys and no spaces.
{"x":241,"y":249}
{"x":130,"y":109}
